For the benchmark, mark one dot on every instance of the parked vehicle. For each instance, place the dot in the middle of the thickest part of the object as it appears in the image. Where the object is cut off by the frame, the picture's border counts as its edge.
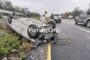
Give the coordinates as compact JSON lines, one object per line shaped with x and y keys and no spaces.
{"x":33,"y":30}
{"x":57,"y":18}
{"x":83,"y":18}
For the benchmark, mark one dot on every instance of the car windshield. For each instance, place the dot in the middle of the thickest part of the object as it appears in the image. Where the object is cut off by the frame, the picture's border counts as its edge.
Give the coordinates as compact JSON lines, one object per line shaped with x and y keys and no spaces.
{"x":55,"y":17}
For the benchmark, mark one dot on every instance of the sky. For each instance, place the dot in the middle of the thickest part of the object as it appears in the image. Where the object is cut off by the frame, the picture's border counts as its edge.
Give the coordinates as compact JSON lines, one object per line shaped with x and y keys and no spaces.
{"x":52,"y":6}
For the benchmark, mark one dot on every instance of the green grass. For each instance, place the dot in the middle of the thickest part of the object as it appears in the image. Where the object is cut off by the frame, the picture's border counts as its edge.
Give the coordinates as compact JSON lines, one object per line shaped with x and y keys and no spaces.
{"x":0,"y":15}
{"x":8,"y":42}
{"x":36,"y":17}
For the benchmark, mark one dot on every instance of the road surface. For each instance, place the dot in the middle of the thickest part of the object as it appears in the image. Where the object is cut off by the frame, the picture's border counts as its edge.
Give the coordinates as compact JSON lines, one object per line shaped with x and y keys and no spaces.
{"x":74,"y":43}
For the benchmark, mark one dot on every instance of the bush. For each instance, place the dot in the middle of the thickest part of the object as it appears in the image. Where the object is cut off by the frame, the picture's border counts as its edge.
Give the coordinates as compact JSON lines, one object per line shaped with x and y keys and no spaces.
{"x":0,"y":15}
{"x":8,"y":42}
{"x":35,"y":15}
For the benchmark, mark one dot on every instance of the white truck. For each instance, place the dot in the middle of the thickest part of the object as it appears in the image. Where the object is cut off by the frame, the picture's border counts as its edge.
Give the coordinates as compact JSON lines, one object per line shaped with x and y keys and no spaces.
{"x":32,"y":29}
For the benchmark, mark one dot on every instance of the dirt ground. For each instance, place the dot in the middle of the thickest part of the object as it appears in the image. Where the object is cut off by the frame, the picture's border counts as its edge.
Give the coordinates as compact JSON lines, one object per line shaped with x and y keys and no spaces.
{"x":2,"y":23}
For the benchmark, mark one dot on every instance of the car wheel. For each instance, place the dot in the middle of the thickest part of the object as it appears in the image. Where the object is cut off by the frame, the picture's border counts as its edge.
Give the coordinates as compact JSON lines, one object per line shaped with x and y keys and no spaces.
{"x":52,"y":23}
{"x":32,"y":32}
{"x":9,"y":19}
{"x":76,"y":23}
{"x":88,"y":24}
{"x":55,"y":20}
{"x":59,"y":21}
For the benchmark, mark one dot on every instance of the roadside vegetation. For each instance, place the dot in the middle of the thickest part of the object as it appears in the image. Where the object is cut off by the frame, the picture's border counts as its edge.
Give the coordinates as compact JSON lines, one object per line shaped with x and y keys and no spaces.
{"x":7,"y":5}
{"x":73,"y":13}
{"x":35,"y":15}
{"x":8,"y":42}
{"x":11,"y":45}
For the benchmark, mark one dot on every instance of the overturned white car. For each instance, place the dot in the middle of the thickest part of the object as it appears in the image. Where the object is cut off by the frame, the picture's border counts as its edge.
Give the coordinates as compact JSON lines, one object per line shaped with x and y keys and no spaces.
{"x":34,"y":30}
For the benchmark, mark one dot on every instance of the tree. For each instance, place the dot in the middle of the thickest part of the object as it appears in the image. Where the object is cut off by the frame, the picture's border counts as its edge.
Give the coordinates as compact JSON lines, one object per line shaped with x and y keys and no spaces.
{"x":0,"y":5}
{"x":23,"y":10}
{"x":9,"y":6}
{"x":17,"y":9}
{"x":76,"y":12}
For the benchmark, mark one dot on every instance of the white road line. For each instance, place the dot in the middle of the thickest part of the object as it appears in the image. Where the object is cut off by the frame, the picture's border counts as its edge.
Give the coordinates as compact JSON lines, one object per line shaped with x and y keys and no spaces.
{"x":79,"y":28}
{"x":82,"y":29}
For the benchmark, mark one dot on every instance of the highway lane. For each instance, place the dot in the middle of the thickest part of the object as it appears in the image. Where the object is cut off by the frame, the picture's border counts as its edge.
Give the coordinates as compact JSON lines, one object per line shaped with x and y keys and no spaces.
{"x":74,"y":43}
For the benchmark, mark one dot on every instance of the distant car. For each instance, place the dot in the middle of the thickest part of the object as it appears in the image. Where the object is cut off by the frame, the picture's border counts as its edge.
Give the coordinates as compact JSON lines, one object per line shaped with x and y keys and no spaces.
{"x":83,"y":18}
{"x":26,"y":28}
{"x":70,"y":17}
{"x":57,"y":18}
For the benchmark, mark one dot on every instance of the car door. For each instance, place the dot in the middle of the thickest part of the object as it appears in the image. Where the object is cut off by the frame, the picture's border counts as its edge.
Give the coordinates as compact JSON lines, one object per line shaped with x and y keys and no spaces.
{"x":83,"y":17}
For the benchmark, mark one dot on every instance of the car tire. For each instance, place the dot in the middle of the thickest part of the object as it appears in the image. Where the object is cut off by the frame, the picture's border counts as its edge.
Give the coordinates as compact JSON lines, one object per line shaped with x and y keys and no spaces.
{"x":53,"y":24}
{"x":59,"y":21}
{"x":33,"y":34}
{"x":88,"y":24}
{"x":9,"y":19}
{"x":76,"y":22}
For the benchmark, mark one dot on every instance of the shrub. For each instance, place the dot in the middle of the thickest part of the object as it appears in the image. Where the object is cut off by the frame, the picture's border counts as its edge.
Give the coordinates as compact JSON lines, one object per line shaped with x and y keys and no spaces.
{"x":0,"y":15}
{"x":8,"y":42}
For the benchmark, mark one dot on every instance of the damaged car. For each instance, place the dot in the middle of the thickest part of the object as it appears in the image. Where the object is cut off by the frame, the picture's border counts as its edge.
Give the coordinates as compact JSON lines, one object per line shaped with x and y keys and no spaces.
{"x":32,"y":29}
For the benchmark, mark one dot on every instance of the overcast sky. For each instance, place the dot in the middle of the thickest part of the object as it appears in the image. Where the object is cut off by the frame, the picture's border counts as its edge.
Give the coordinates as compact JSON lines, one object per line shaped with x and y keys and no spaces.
{"x":52,"y":6}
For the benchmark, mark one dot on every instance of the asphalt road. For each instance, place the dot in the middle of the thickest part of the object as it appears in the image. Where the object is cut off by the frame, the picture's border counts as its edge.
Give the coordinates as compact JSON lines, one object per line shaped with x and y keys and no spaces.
{"x":74,"y":43}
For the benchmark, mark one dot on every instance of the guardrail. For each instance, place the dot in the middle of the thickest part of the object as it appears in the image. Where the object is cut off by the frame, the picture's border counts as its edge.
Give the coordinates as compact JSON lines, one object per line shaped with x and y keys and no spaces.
{"x":9,"y":12}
